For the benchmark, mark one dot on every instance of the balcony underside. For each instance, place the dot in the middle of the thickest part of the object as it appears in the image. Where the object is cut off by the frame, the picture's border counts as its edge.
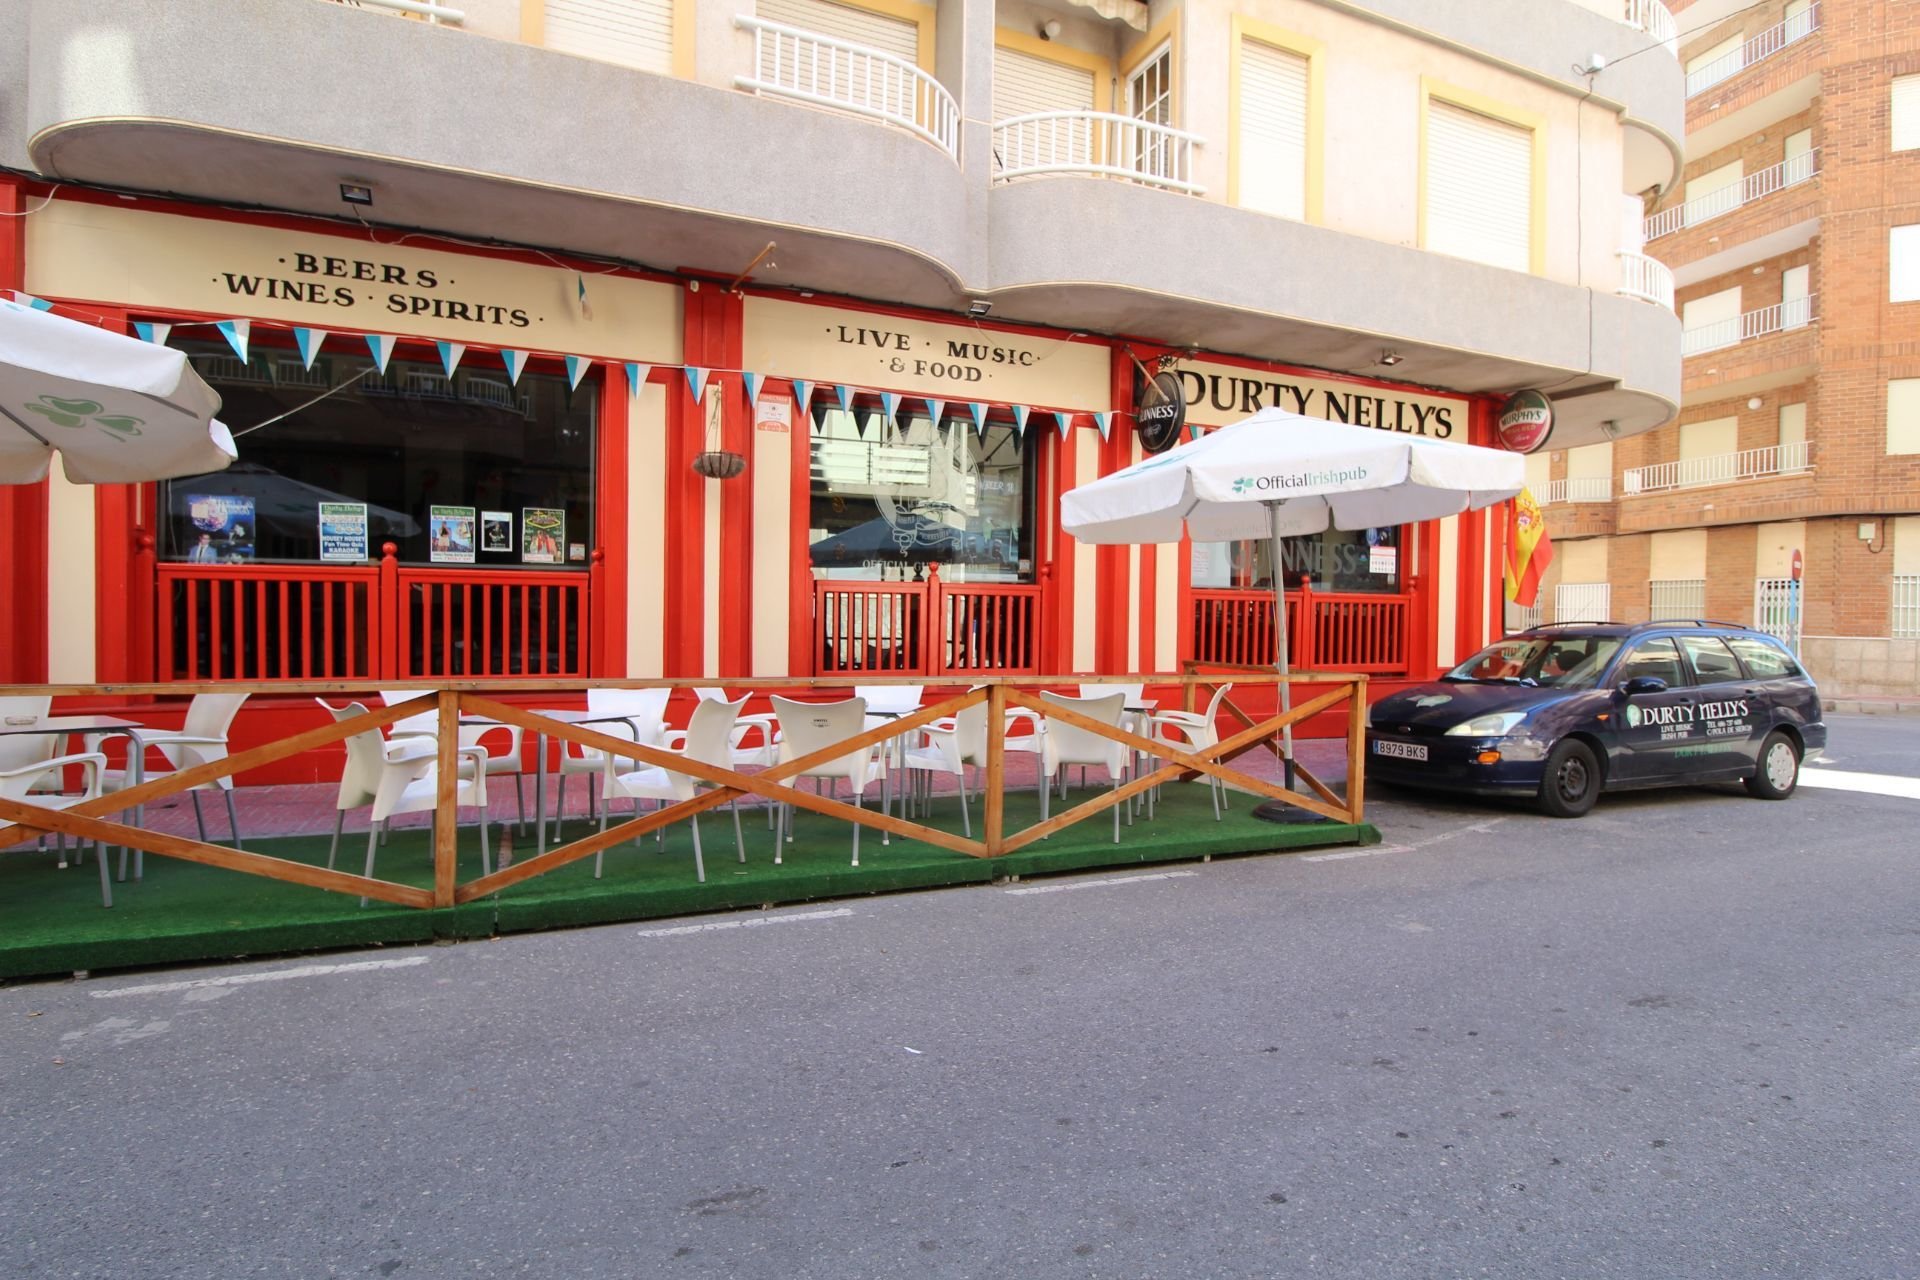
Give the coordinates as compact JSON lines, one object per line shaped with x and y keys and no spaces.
{"x":1741,"y":253}
{"x":1762,"y":95}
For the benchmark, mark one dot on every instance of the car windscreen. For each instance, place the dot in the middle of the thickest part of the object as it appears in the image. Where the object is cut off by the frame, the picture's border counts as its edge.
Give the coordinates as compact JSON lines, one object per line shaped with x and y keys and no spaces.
{"x":1549,"y":661}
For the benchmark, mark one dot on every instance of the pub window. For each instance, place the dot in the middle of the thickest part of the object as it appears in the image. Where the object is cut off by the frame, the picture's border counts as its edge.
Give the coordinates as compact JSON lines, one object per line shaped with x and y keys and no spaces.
{"x":892,"y":500}
{"x":470,"y":469}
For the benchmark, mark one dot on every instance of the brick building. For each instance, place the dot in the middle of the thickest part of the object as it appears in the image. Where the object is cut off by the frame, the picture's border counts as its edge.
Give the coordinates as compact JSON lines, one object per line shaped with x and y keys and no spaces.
{"x":1794,"y":240}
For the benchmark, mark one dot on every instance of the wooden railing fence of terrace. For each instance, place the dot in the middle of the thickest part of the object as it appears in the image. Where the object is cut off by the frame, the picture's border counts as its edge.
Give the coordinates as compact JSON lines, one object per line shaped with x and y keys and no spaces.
{"x":90,"y":820}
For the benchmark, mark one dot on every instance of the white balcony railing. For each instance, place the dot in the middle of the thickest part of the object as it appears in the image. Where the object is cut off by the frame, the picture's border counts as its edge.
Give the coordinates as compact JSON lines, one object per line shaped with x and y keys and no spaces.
{"x":1647,"y":279}
{"x":1579,"y":489}
{"x":1656,"y":20}
{"x":1762,"y":46}
{"x":1790,"y":172}
{"x":1718,"y":468}
{"x":1095,"y":142}
{"x":823,"y":71}
{"x":419,"y":8}
{"x":1794,"y":313}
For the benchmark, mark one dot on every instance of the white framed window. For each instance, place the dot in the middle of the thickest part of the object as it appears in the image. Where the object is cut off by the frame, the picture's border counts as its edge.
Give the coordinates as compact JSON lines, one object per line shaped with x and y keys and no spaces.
{"x":888,"y":34}
{"x":1710,"y":322}
{"x":1903,"y":416}
{"x":1903,"y":263}
{"x":1272,"y":146}
{"x":1479,"y":187}
{"x":1793,"y":437}
{"x":632,"y":33}
{"x":1906,"y":113}
{"x":1714,"y":192}
{"x":1150,"y":98}
{"x":1707,"y":451}
{"x":1024,"y":85}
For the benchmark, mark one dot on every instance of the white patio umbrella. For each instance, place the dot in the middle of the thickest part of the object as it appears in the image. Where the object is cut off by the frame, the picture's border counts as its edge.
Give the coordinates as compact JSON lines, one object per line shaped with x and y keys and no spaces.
{"x":1280,"y":474}
{"x":118,"y":410}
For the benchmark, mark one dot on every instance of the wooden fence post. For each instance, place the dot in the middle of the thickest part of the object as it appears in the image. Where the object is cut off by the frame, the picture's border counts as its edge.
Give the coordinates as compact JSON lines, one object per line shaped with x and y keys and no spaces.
{"x":996,"y":767}
{"x":1357,"y":750}
{"x":445,"y":799}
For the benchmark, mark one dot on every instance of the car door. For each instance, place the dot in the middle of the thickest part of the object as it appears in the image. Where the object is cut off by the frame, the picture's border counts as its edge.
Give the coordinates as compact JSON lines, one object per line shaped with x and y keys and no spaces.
{"x":1729,"y":719}
{"x":1653,"y":726}
{"x":1781,"y":691}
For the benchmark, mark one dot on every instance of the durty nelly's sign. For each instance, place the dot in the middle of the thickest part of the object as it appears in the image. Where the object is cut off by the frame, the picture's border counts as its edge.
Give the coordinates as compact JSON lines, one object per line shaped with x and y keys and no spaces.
{"x":1219,"y":394}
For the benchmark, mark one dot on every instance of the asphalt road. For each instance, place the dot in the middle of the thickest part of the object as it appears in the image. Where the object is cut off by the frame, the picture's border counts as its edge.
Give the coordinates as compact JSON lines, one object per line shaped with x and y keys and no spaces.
{"x":1679,"y":1037}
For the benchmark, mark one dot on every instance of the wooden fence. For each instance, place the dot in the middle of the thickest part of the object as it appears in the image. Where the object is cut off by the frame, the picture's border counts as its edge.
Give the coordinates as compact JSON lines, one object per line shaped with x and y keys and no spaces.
{"x":1344,"y":631}
{"x":931,"y":628}
{"x":90,"y":821}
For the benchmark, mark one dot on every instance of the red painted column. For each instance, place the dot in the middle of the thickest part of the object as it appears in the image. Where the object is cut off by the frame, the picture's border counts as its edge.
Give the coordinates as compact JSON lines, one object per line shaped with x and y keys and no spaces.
{"x":686,"y":498}
{"x":1059,"y":651}
{"x":608,"y":572}
{"x":23,"y":507}
{"x":733,"y":576}
{"x":1113,"y":603}
{"x":802,"y":627}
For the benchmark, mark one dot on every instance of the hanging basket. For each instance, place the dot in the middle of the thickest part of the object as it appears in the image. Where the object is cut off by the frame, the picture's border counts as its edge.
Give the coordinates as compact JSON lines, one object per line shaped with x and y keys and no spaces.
{"x":719,"y":465}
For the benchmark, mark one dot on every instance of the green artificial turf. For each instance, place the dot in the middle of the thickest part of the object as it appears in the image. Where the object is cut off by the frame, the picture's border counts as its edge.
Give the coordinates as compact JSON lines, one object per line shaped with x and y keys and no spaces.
{"x":51,"y":920}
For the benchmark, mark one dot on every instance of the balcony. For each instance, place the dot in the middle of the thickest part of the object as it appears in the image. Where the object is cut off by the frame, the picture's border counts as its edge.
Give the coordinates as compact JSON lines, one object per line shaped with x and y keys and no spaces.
{"x":1719,"y":468}
{"x":1578,"y":489}
{"x":1790,"y":172}
{"x":1656,"y":20}
{"x":1756,"y":50}
{"x":1096,"y":143}
{"x":1794,"y":313}
{"x":435,"y":13}
{"x":1647,"y":279}
{"x":805,"y":66}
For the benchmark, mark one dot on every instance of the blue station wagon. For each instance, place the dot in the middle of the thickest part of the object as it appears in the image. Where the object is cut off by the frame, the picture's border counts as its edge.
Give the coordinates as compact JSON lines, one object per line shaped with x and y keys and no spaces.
{"x":1562,"y":713}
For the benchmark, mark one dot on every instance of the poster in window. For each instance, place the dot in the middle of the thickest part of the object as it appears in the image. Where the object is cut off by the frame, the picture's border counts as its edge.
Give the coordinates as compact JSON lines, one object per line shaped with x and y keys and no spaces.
{"x":542,"y":531}
{"x":343,"y":532}
{"x":452,"y":531}
{"x":222,"y":527}
{"x":496,"y":532}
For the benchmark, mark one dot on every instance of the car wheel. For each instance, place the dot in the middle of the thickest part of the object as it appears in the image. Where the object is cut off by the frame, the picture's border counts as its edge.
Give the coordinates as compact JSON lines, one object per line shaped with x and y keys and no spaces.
{"x":1779,"y":771}
{"x":1571,"y":783}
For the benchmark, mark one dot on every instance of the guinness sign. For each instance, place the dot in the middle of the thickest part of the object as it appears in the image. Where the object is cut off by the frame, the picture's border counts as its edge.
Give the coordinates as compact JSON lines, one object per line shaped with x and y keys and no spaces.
{"x":1160,"y":410}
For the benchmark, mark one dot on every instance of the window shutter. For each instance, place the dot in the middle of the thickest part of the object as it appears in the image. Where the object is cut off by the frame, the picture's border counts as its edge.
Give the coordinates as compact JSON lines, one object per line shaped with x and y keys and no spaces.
{"x":896,"y":36}
{"x":1024,"y":84}
{"x":1479,"y":188}
{"x":633,"y":33}
{"x":1906,"y":113}
{"x":1273,"y":130}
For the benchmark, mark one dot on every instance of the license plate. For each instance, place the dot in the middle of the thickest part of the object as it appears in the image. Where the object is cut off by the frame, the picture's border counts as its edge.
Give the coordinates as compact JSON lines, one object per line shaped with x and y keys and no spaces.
{"x":1400,"y":750}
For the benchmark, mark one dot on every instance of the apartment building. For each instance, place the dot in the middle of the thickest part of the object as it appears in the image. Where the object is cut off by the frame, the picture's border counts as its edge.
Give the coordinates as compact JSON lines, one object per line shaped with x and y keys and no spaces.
{"x":760,"y":337}
{"x":1787,"y":493}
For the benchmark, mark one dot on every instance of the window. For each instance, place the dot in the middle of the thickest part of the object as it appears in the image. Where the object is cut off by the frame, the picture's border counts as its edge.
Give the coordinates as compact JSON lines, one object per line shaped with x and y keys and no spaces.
{"x":863,"y":27}
{"x":1365,"y":560}
{"x":1711,"y":66}
{"x":1676,"y":597}
{"x":1793,"y":437}
{"x":1709,"y":323}
{"x":1903,"y":416}
{"x":1271,"y":151}
{"x":1024,"y":85}
{"x":1480,"y":175}
{"x":1796,"y":297}
{"x":1707,"y":451}
{"x":1906,"y":113}
{"x":1764,"y":660}
{"x":1150,"y":98}
{"x":892,"y":499}
{"x":406,"y":444}
{"x":633,"y":33}
{"x":1710,"y":659}
{"x":1714,"y":192}
{"x":1658,"y":658}
{"x":1797,"y":157}
{"x":1903,"y":263}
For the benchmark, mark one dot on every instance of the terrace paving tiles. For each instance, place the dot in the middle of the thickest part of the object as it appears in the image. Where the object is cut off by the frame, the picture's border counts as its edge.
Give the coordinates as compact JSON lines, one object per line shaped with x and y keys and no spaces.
{"x":51,"y":920}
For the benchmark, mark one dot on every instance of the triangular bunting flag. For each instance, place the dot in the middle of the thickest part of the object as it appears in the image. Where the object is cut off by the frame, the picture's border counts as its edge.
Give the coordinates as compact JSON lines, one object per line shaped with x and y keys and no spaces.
{"x":936,"y":410}
{"x":862,"y":415}
{"x":1020,"y":413}
{"x":1105,"y":422}
{"x":889,"y":406}
{"x":577,"y":367}
{"x":845,"y":393}
{"x":697,"y":382}
{"x":28,"y":300}
{"x":752,"y":382}
{"x":308,"y":340}
{"x":979,"y":414}
{"x":802,"y":394}
{"x":156,"y":333}
{"x":586,"y":308}
{"x":1064,"y":421}
{"x":236,"y":333}
{"x":637,"y":375}
{"x":450,"y":353}
{"x":381,"y":345}
{"x":516,"y":362}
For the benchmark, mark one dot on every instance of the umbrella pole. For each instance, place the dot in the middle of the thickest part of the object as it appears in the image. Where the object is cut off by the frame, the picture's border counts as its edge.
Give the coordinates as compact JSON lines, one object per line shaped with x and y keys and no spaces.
{"x":1280,"y":810}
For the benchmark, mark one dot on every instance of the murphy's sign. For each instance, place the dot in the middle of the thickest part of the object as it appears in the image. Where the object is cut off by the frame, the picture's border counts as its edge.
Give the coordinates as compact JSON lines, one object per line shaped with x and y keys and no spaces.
{"x":1218,"y":394}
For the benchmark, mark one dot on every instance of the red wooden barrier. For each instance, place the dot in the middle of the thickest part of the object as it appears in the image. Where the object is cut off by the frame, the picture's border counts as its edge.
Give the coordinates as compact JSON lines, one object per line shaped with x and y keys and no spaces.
{"x":1349,"y":631}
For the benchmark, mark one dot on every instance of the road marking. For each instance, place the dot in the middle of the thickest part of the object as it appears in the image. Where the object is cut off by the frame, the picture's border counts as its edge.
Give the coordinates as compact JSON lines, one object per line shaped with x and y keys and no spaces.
{"x":271,"y":975}
{"x":1101,"y":884}
{"x":1876,"y":784}
{"x":753,"y":923}
{"x":1374,"y":851}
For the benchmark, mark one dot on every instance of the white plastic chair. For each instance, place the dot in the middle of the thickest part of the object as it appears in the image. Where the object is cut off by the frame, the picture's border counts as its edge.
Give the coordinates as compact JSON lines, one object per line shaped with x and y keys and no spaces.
{"x":709,"y":740}
{"x":745,"y":726}
{"x":202,"y":739}
{"x":1193,"y":732}
{"x":644,"y":720}
{"x":19,"y":783}
{"x":1067,"y":744}
{"x":509,"y":737}
{"x":807,"y":727}
{"x":953,"y":744}
{"x":19,"y":750}
{"x":401,"y":777}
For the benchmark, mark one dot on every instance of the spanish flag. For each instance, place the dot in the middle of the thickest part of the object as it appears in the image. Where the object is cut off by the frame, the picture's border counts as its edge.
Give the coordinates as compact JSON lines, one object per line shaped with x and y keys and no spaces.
{"x":1529,"y":550}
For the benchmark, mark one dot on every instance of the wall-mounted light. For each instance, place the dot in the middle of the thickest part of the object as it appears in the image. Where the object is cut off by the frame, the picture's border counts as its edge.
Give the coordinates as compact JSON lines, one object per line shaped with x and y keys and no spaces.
{"x":1754,"y":402}
{"x":1050,"y":29}
{"x":1391,"y":357}
{"x":979,"y":307}
{"x":355,"y":193}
